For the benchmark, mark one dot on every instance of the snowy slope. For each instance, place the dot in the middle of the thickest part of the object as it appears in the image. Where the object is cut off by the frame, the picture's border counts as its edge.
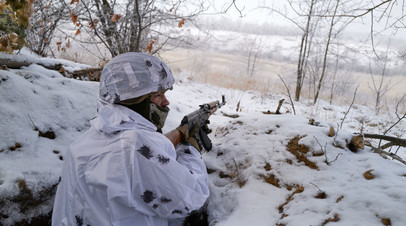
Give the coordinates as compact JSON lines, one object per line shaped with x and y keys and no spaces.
{"x":41,"y":113}
{"x":254,"y":179}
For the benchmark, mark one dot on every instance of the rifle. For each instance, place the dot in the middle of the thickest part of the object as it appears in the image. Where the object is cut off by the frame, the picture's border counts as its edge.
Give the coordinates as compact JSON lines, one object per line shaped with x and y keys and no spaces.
{"x":201,"y":117}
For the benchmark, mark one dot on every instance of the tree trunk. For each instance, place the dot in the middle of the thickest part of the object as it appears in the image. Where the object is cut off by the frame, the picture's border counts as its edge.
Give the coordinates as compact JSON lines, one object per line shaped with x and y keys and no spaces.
{"x":301,"y":66}
{"x":323,"y":73}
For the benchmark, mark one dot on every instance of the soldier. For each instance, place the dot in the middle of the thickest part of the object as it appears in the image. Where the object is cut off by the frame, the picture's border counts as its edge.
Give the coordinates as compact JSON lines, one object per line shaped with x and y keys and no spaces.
{"x":123,"y":170}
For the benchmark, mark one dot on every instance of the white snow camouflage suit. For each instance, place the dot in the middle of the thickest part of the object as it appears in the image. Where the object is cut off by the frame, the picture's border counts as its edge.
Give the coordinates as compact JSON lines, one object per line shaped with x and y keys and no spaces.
{"x":122,"y":172}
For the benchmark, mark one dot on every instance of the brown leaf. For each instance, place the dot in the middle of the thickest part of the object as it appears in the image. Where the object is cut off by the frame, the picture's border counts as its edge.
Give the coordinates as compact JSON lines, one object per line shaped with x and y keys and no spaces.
{"x":116,"y":17}
{"x":149,"y":46}
{"x":93,"y":24}
{"x":368,"y":175}
{"x":331,"y":132}
{"x":357,"y":142}
{"x":73,"y":1}
{"x":181,"y":23}
{"x":386,"y":221}
{"x":73,"y":17}
{"x":77,"y":32}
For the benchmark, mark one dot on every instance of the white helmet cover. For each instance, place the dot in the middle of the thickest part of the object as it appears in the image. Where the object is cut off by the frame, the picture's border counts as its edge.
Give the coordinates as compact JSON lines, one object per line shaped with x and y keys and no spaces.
{"x":133,"y":74}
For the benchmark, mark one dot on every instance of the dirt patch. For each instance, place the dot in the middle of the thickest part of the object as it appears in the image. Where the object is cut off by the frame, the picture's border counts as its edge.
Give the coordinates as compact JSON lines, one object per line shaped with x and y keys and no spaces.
{"x":299,"y":151}
{"x":268,"y":167}
{"x":48,"y":134}
{"x":15,"y":147}
{"x":28,"y":199}
{"x":386,"y":221}
{"x":42,"y":220}
{"x":321,"y":195}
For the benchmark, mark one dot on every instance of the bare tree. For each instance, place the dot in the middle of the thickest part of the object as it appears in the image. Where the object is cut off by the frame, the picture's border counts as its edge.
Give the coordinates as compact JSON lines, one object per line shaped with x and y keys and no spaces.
{"x":139,"y":26}
{"x":305,"y":47}
{"x":326,"y":51}
{"x":46,"y":18}
{"x":380,"y":86}
{"x":308,"y":27}
{"x":252,"y":60}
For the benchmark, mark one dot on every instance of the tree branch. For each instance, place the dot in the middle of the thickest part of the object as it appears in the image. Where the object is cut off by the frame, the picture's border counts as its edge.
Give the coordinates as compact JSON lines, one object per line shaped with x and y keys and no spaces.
{"x":394,"y":140}
{"x":290,"y":97}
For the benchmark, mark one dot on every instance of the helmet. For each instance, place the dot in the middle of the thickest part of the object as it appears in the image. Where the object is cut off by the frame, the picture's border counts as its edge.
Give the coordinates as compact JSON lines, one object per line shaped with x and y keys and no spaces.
{"x":133,"y":74}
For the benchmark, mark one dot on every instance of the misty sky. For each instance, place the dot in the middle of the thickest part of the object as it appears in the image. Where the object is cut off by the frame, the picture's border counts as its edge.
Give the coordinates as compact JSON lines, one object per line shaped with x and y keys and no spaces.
{"x":251,"y":13}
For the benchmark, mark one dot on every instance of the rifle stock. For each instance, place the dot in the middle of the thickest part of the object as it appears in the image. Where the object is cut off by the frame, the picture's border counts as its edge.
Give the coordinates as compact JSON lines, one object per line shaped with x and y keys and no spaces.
{"x":174,"y":136}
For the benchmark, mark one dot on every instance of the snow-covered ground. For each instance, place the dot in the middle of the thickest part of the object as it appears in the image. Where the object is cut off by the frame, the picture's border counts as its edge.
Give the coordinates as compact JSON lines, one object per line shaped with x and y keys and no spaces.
{"x":265,"y":169}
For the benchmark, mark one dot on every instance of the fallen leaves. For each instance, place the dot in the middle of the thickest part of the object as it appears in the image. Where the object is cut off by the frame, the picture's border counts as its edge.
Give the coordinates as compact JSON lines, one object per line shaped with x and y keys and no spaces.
{"x":368,"y":175}
{"x":336,"y":218}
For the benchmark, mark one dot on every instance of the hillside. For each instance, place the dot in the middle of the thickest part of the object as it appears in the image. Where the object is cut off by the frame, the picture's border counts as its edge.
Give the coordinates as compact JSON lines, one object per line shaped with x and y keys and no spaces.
{"x":265,"y":169}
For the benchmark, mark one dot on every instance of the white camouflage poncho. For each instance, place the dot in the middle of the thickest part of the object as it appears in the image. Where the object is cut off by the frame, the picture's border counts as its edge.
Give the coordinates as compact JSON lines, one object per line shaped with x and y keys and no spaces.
{"x":122,"y":172}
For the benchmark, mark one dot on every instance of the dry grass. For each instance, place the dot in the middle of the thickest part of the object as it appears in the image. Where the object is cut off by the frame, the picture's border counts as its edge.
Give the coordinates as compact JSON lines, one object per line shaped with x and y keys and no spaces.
{"x":299,"y":189}
{"x":26,"y":200}
{"x":230,"y":71}
{"x":299,"y":151}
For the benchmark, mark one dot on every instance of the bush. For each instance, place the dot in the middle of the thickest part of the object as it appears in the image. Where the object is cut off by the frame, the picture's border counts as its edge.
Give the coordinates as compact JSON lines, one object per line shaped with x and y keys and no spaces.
{"x":14,"y":20}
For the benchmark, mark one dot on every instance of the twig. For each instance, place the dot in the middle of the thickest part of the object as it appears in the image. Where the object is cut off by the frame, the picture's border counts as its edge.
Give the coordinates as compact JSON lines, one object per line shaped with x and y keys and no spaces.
{"x":35,"y":127}
{"x":236,"y":167}
{"x":349,"y":108}
{"x":279,"y":106}
{"x":290,"y":97}
{"x":235,"y":6}
{"x":385,"y":154}
{"x":324,"y":150}
{"x":316,"y":187}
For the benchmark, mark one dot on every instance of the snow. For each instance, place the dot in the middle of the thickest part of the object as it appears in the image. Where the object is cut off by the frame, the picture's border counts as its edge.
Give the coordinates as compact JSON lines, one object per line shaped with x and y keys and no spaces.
{"x":248,"y":151}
